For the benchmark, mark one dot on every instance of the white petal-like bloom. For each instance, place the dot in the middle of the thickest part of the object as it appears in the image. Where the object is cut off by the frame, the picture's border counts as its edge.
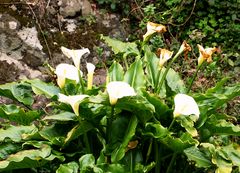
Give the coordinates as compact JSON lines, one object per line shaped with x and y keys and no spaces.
{"x":164,"y":56}
{"x":152,"y":28}
{"x":185,"y":105}
{"x":205,"y":54}
{"x":64,"y":71}
{"x":76,"y":55}
{"x":90,"y":68}
{"x":72,"y":100}
{"x":117,"y":90}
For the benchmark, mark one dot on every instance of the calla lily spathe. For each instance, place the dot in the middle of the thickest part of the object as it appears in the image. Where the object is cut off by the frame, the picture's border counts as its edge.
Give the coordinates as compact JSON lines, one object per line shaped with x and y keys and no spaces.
{"x":76,"y":55}
{"x":64,"y":71}
{"x":90,"y":69}
{"x":74,"y":101}
{"x":205,"y":54}
{"x":164,"y":56}
{"x":152,"y":28}
{"x":185,"y":105}
{"x":117,"y":90}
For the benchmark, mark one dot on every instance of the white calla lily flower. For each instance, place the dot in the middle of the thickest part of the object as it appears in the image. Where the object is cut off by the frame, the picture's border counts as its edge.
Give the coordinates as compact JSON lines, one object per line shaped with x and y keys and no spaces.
{"x":90,"y":69}
{"x":74,"y":101}
{"x":76,"y":55}
{"x":205,"y":54}
{"x":152,"y":28}
{"x":164,"y":56}
{"x":185,"y":105}
{"x":117,"y":90}
{"x":68,"y":71}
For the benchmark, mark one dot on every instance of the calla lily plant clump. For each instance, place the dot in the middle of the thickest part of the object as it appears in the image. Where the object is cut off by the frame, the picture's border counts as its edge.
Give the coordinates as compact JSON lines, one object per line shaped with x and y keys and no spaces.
{"x":142,"y":119}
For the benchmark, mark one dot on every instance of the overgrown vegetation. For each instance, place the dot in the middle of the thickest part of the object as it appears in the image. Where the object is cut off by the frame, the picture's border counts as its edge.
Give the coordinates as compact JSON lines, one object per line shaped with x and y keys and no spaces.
{"x":143,"y":119}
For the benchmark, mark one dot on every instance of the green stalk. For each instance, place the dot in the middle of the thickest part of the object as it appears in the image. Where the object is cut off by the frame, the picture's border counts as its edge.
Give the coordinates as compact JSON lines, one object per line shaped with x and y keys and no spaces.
{"x":86,"y":141}
{"x":108,"y":130}
{"x":158,"y":78}
{"x":125,"y":62}
{"x":194,"y":77}
{"x":149,"y":150}
{"x":173,"y":121}
{"x":81,"y":81}
{"x":166,"y":71}
{"x":169,"y":169}
{"x":131,"y":164}
{"x":157,"y":157}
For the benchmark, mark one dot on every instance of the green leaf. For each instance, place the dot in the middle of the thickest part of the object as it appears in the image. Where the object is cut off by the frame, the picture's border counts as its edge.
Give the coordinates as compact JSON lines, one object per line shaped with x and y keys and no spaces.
{"x":8,"y":148}
{"x":21,"y":92}
{"x":126,"y":48}
{"x":200,"y":159}
{"x":86,"y":161}
{"x":119,"y":152}
{"x":233,"y":153}
{"x":64,"y":116}
{"x":55,"y":133}
{"x":209,"y":102}
{"x":115,"y":72}
{"x":80,"y":129}
{"x":156,"y":130}
{"x":16,"y":133}
{"x":136,"y":103}
{"x":27,"y":159}
{"x":18,"y":114}
{"x":71,"y":167}
{"x":41,"y":88}
{"x":164,"y":136}
{"x":188,"y":123}
{"x":135,"y":75}
{"x":152,"y":69}
{"x":161,"y":108}
{"x":175,"y":82}
{"x":221,"y":127}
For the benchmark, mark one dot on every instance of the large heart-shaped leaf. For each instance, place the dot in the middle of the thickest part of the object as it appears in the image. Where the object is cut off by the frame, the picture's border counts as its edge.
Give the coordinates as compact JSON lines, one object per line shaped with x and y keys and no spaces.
{"x":135,"y":75}
{"x":41,"y":88}
{"x":115,"y":72}
{"x":119,"y":152}
{"x":21,"y":92}
{"x":17,"y":114}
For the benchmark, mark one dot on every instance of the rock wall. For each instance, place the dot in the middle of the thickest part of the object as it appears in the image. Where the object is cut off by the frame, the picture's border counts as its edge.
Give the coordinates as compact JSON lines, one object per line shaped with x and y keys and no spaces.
{"x":32,"y":32}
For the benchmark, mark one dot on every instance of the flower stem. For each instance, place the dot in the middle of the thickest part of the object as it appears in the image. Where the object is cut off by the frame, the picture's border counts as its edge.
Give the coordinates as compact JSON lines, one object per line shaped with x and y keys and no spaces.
{"x":108,"y":130}
{"x":169,"y":169}
{"x":81,"y":81}
{"x":149,"y":150}
{"x":194,"y":77}
{"x":85,"y":138}
{"x":157,"y":157}
{"x":166,"y":71}
{"x":158,"y":79}
{"x":173,"y":121}
{"x":125,"y":62}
